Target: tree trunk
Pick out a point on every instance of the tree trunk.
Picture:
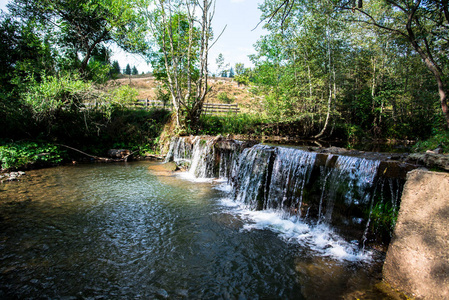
(431, 65)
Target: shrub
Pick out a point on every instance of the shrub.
(21, 154)
(223, 97)
(440, 139)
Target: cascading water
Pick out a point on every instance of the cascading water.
(325, 190)
(272, 178)
(351, 181)
(291, 171)
(179, 150)
(203, 157)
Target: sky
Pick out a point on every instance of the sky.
(236, 42)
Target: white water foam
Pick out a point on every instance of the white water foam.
(321, 239)
(186, 175)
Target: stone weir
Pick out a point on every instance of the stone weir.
(357, 194)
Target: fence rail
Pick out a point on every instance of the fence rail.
(208, 108)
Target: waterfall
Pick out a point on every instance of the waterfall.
(203, 158)
(351, 180)
(180, 150)
(291, 171)
(329, 189)
(272, 178)
(250, 176)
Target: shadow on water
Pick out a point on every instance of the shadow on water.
(123, 231)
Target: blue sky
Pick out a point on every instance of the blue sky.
(236, 43)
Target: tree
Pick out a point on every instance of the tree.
(134, 71)
(127, 70)
(115, 68)
(81, 26)
(231, 73)
(221, 66)
(423, 24)
(23, 53)
(297, 64)
(182, 55)
(239, 68)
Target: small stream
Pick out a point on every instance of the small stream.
(124, 231)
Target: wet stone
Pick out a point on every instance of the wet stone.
(12, 176)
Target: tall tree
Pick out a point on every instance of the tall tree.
(423, 24)
(84, 25)
(134, 71)
(182, 32)
(127, 70)
(115, 67)
(221, 65)
(23, 53)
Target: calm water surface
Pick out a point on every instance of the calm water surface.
(120, 231)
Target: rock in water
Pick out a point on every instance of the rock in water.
(118, 153)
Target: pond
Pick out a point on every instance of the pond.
(125, 231)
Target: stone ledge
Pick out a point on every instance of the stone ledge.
(417, 261)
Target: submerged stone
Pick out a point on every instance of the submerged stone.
(170, 166)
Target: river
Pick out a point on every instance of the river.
(124, 231)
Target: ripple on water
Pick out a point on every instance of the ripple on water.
(119, 231)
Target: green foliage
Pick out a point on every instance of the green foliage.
(383, 219)
(53, 94)
(115, 69)
(223, 97)
(163, 95)
(127, 70)
(439, 140)
(122, 96)
(230, 124)
(22, 54)
(80, 28)
(313, 54)
(241, 79)
(239, 68)
(25, 154)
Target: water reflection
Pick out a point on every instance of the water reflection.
(121, 231)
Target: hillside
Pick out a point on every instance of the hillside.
(241, 95)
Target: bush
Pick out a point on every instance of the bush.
(241, 79)
(223, 97)
(230, 124)
(53, 94)
(25, 154)
(440, 139)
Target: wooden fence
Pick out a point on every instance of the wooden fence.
(208, 108)
(215, 108)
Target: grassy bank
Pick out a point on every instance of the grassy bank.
(66, 110)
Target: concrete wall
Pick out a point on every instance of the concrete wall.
(417, 261)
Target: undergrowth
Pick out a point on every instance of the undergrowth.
(230, 124)
(438, 140)
(27, 154)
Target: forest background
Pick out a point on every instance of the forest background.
(346, 70)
